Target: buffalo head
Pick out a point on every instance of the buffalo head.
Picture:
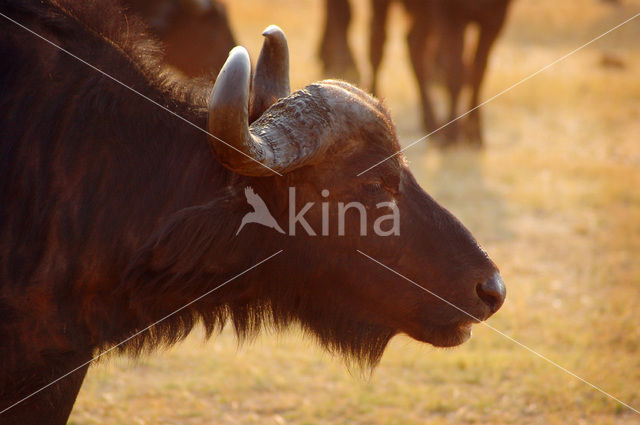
(303, 153)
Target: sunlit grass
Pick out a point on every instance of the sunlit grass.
(554, 198)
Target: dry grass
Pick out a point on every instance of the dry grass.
(554, 198)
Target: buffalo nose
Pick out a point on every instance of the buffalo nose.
(492, 292)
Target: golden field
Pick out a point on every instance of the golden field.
(555, 200)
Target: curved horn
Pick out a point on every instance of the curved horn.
(235, 147)
(292, 134)
(271, 78)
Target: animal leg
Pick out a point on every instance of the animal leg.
(488, 34)
(417, 37)
(335, 54)
(50, 406)
(377, 38)
(451, 47)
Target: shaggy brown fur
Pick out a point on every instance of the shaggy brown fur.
(70, 139)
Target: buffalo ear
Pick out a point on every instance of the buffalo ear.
(271, 78)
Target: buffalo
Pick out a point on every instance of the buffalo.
(436, 40)
(123, 189)
(195, 34)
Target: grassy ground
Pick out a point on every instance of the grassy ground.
(554, 198)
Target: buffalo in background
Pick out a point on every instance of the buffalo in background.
(195, 34)
(436, 41)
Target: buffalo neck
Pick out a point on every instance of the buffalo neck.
(91, 169)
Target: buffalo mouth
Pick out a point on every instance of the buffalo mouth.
(445, 335)
(449, 332)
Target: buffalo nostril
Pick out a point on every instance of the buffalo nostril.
(492, 292)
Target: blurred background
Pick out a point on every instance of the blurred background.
(554, 197)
